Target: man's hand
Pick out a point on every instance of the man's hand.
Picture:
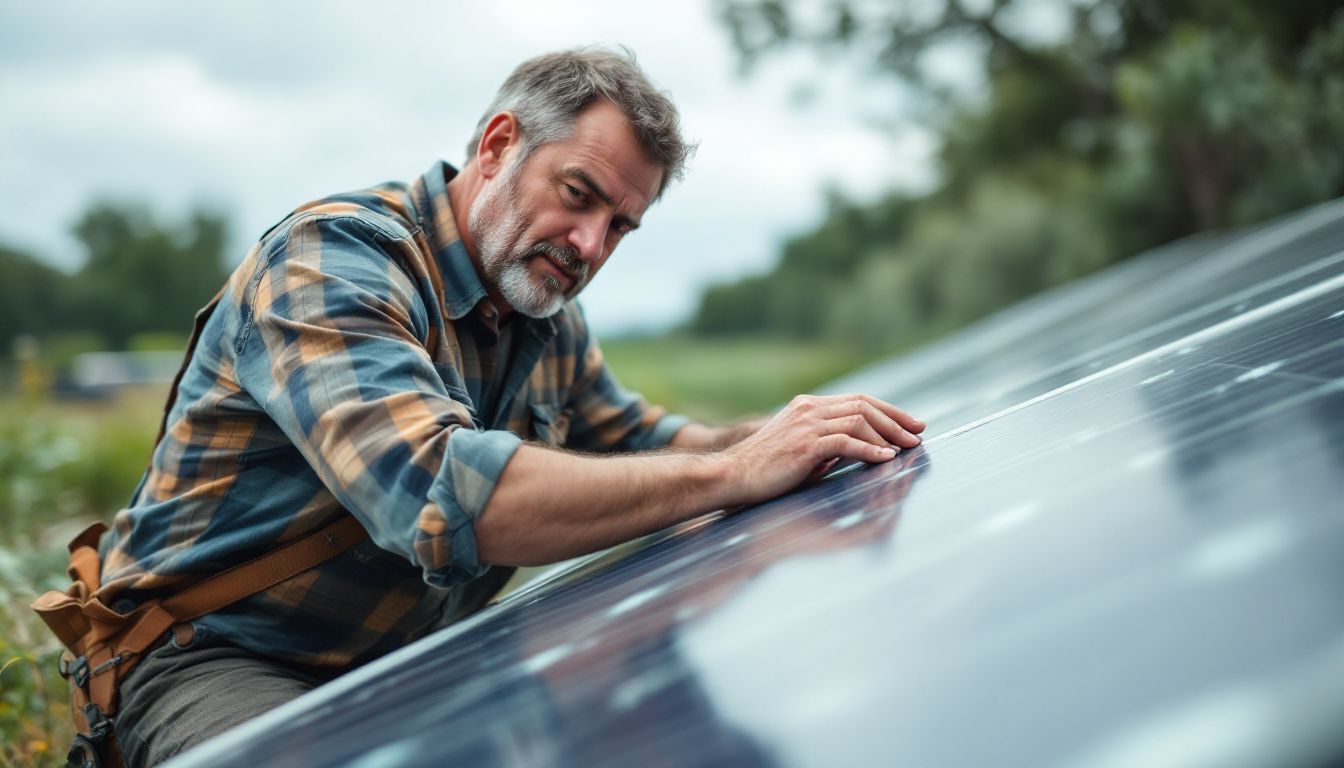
(551, 505)
(811, 434)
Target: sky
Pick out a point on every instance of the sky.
(255, 108)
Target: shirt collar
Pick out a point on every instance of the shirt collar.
(462, 288)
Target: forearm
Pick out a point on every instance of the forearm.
(552, 505)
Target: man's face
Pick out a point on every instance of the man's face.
(544, 227)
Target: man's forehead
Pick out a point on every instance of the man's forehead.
(604, 146)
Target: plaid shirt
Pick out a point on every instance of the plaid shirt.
(350, 363)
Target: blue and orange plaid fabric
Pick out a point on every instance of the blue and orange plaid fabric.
(352, 362)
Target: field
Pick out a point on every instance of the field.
(718, 380)
(63, 464)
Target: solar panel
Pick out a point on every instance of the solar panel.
(1122, 544)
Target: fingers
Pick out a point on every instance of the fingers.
(906, 421)
(848, 447)
(854, 426)
(848, 427)
(891, 429)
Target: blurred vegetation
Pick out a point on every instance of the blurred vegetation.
(62, 465)
(1137, 122)
(719, 380)
(140, 277)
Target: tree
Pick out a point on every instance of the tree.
(1134, 123)
(31, 296)
(1210, 81)
(142, 276)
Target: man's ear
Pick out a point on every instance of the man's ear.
(498, 139)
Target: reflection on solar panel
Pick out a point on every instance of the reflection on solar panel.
(1123, 544)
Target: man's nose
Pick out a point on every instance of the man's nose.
(589, 237)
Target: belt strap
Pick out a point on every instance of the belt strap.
(264, 572)
(243, 580)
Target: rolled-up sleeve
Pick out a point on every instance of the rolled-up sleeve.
(608, 417)
(332, 348)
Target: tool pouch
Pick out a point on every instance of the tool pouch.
(102, 646)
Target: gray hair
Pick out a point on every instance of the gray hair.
(547, 93)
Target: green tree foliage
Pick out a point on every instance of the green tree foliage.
(144, 277)
(141, 277)
(30, 297)
(815, 270)
(1139, 122)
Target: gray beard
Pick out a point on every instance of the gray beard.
(495, 222)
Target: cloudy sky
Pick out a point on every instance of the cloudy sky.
(254, 108)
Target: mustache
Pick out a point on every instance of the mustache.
(568, 258)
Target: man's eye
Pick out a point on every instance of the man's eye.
(621, 228)
(575, 192)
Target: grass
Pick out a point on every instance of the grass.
(722, 379)
(64, 464)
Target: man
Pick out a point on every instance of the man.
(386, 353)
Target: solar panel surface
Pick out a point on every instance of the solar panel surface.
(1122, 544)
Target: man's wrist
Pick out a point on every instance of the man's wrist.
(713, 474)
